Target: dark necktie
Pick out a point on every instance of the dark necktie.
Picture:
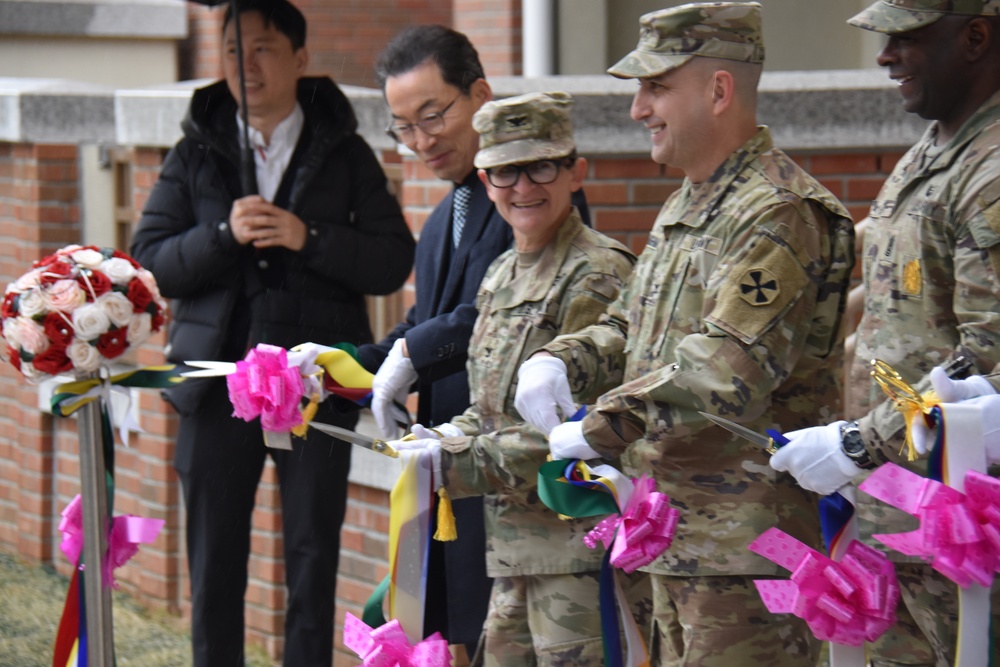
(459, 207)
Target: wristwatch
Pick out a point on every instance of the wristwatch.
(853, 446)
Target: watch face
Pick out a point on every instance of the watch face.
(853, 443)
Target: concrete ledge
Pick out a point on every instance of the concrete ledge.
(55, 111)
(164, 19)
(806, 110)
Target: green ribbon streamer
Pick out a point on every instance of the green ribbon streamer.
(569, 499)
(149, 377)
(372, 614)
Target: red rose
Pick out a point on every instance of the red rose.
(119, 253)
(94, 283)
(15, 359)
(45, 261)
(139, 295)
(58, 330)
(112, 343)
(53, 272)
(7, 308)
(157, 321)
(53, 360)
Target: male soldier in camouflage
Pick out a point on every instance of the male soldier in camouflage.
(733, 308)
(932, 293)
(559, 277)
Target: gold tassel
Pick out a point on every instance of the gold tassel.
(308, 413)
(445, 519)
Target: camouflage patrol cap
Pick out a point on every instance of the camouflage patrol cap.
(670, 37)
(895, 16)
(525, 128)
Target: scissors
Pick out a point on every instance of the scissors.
(770, 442)
(374, 444)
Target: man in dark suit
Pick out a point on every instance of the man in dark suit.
(434, 83)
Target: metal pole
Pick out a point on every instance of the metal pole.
(94, 492)
(538, 28)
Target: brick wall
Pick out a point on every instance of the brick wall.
(344, 36)
(38, 455)
(494, 26)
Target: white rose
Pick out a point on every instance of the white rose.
(31, 336)
(87, 258)
(139, 329)
(10, 332)
(28, 281)
(32, 303)
(29, 371)
(117, 306)
(65, 295)
(90, 321)
(84, 356)
(119, 270)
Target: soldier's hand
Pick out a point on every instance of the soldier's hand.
(254, 220)
(427, 451)
(566, 441)
(814, 458)
(953, 391)
(542, 390)
(987, 410)
(446, 430)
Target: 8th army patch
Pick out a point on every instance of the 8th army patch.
(757, 290)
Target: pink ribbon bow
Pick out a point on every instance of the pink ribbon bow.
(127, 533)
(848, 602)
(265, 385)
(959, 532)
(645, 528)
(387, 645)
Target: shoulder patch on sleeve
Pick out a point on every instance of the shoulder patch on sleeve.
(757, 290)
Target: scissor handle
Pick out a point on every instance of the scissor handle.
(778, 437)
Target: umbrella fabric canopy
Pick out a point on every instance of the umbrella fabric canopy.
(248, 168)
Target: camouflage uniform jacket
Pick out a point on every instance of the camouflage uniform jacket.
(931, 263)
(569, 287)
(734, 308)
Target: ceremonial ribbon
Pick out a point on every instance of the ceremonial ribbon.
(958, 515)
(126, 534)
(959, 533)
(643, 530)
(388, 646)
(265, 386)
(410, 503)
(848, 601)
(575, 490)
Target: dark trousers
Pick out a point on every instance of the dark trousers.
(220, 459)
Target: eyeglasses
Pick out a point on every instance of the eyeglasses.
(431, 124)
(541, 172)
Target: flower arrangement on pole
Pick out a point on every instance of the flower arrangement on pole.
(78, 308)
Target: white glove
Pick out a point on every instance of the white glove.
(392, 385)
(954, 391)
(542, 387)
(814, 458)
(427, 449)
(989, 412)
(446, 430)
(566, 441)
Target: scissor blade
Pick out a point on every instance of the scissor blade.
(356, 438)
(742, 431)
(211, 369)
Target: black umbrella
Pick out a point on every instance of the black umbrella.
(248, 168)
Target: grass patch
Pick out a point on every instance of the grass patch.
(31, 602)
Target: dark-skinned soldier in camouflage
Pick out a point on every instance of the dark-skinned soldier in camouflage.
(734, 308)
(931, 259)
(560, 277)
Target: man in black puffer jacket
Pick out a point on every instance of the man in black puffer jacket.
(288, 266)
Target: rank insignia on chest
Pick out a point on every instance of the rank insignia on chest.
(759, 287)
(912, 282)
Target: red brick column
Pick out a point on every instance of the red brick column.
(494, 27)
(39, 213)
